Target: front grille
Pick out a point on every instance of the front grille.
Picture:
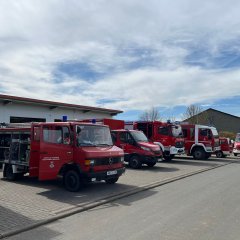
(157, 152)
(179, 144)
(107, 161)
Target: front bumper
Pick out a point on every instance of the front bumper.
(177, 151)
(217, 149)
(103, 175)
(236, 151)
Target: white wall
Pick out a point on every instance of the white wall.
(35, 111)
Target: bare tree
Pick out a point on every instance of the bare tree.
(152, 114)
(195, 114)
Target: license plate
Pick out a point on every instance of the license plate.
(111, 172)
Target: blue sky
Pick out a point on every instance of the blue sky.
(126, 55)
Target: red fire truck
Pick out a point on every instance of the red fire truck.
(236, 148)
(79, 152)
(137, 148)
(225, 147)
(200, 141)
(165, 134)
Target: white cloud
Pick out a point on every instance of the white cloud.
(111, 36)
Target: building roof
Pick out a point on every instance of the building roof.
(211, 109)
(52, 105)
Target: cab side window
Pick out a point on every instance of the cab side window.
(56, 134)
(184, 133)
(163, 131)
(123, 137)
(114, 137)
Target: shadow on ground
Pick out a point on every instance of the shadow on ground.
(11, 220)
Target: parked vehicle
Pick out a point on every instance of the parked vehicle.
(79, 152)
(137, 148)
(165, 134)
(236, 147)
(200, 140)
(225, 147)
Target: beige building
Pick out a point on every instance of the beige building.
(221, 120)
(19, 110)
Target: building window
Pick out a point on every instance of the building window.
(25, 119)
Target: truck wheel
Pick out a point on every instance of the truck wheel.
(219, 154)
(199, 154)
(9, 173)
(235, 154)
(168, 158)
(72, 181)
(111, 180)
(151, 164)
(207, 155)
(135, 162)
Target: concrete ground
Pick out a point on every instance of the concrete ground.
(28, 201)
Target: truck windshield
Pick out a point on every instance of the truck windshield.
(139, 136)
(177, 131)
(237, 139)
(214, 132)
(93, 135)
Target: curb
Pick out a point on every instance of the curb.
(100, 202)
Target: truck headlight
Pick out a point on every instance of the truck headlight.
(89, 162)
(146, 149)
(122, 159)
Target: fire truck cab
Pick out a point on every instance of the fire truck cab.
(225, 147)
(236, 147)
(137, 148)
(200, 141)
(167, 135)
(79, 152)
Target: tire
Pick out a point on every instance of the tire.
(151, 164)
(235, 154)
(72, 181)
(168, 158)
(199, 154)
(135, 162)
(9, 173)
(111, 180)
(208, 155)
(219, 154)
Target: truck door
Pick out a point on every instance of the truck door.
(55, 150)
(163, 135)
(125, 142)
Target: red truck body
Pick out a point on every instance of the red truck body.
(200, 141)
(167, 135)
(236, 147)
(46, 150)
(137, 148)
(225, 147)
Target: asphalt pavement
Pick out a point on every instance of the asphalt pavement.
(29, 203)
(202, 207)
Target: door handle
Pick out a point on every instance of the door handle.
(69, 152)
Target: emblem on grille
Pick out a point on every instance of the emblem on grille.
(110, 161)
